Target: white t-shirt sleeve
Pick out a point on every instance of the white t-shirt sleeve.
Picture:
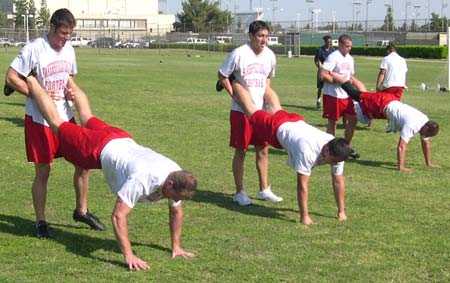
(23, 63)
(229, 65)
(337, 169)
(131, 191)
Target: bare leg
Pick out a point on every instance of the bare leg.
(81, 185)
(272, 100)
(45, 104)
(243, 97)
(39, 189)
(262, 165)
(81, 102)
(238, 168)
(331, 127)
(350, 127)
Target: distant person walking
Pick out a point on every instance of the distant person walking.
(392, 75)
(321, 54)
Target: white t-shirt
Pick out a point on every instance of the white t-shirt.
(135, 173)
(304, 144)
(344, 66)
(396, 69)
(406, 119)
(251, 70)
(52, 68)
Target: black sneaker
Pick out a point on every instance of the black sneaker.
(42, 230)
(7, 90)
(90, 219)
(219, 86)
(354, 155)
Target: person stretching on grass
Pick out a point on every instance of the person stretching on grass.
(306, 146)
(133, 172)
(404, 118)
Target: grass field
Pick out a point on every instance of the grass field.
(399, 223)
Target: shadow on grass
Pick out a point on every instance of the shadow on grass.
(77, 243)
(13, 104)
(225, 201)
(374, 163)
(17, 121)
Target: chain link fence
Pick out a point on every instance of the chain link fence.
(290, 33)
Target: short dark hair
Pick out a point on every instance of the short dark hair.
(340, 148)
(432, 128)
(256, 26)
(63, 18)
(326, 38)
(184, 183)
(344, 37)
(391, 47)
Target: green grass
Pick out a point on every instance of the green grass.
(399, 223)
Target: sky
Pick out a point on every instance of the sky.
(344, 10)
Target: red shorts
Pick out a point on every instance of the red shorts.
(41, 144)
(83, 146)
(241, 132)
(334, 108)
(266, 125)
(373, 103)
(395, 90)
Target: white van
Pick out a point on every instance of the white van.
(223, 39)
(273, 40)
(79, 41)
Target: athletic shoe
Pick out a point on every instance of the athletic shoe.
(318, 104)
(388, 128)
(42, 230)
(354, 155)
(242, 198)
(219, 86)
(7, 91)
(268, 195)
(90, 219)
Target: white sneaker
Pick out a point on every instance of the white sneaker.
(242, 198)
(268, 195)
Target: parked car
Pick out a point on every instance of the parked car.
(130, 44)
(5, 42)
(79, 41)
(19, 43)
(102, 42)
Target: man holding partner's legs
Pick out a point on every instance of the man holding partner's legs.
(306, 146)
(133, 172)
(403, 118)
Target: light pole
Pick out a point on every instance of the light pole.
(316, 18)
(334, 21)
(389, 12)
(310, 13)
(367, 14)
(442, 14)
(26, 26)
(407, 3)
(416, 7)
(355, 4)
(298, 31)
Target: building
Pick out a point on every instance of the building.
(127, 19)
